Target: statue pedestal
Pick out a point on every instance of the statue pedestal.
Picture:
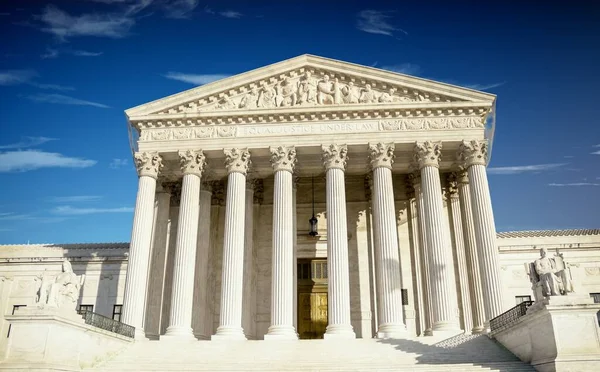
(559, 333)
(50, 339)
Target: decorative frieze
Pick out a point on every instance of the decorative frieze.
(473, 152)
(428, 153)
(381, 155)
(148, 163)
(237, 160)
(192, 162)
(335, 156)
(283, 158)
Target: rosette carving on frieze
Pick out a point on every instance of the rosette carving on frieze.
(335, 156)
(237, 160)
(381, 155)
(283, 158)
(473, 152)
(428, 153)
(148, 163)
(192, 162)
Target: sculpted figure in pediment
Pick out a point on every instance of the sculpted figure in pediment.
(225, 103)
(367, 95)
(349, 93)
(266, 98)
(307, 91)
(250, 100)
(387, 97)
(286, 94)
(326, 91)
(61, 291)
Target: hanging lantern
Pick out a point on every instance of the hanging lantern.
(313, 220)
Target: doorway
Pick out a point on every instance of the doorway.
(312, 298)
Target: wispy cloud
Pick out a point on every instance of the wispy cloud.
(63, 100)
(14, 217)
(58, 87)
(50, 54)
(55, 53)
(404, 68)
(485, 86)
(180, 9)
(575, 184)
(85, 53)
(196, 79)
(376, 22)
(18, 77)
(27, 142)
(524, 169)
(27, 160)
(118, 163)
(71, 211)
(226, 13)
(595, 153)
(75, 199)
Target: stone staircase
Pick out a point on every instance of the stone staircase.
(460, 353)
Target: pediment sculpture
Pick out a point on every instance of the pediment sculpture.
(550, 276)
(60, 291)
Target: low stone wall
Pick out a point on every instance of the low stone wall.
(46, 340)
(559, 334)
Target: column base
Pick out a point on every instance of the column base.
(229, 333)
(478, 330)
(179, 333)
(339, 331)
(139, 335)
(281, 332)
(392, 331)
(445, 326)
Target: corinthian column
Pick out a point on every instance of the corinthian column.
(474, 156)
(466, 211)
(148, 166)
(182, 298)
(283, 160)
(389, 299)
(237, 162)
(439, 249)
(338, 290)
(459, 244)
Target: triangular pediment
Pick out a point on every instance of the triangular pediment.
(307, 82)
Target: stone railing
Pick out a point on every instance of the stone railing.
(507, 318)
(108, 324)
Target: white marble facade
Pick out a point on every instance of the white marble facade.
(225, 194)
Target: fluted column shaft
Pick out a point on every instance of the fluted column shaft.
(148, 166)
(338, 290)
(232, 279)
(182, 297)
(471, 254)
(443, 300)
(474, 154)
(249, 300)
(459, 242)
(283, 160)
(201, 316)
(389, 304)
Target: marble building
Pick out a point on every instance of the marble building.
(311, 198)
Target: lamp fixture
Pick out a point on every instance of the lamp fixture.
(313, 220)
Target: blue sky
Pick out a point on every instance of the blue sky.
(69, 69)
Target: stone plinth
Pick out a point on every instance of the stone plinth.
(48, 339)
(557, 334)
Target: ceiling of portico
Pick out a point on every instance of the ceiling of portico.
(305, 87)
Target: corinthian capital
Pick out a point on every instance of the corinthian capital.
(192, 162)
(237, 160)
(382, 155)
(428, 154)
(335, 156)
(283, 158)
(473, 152)
(148, 163)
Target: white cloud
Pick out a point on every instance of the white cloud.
(595, 153)
(574, 184)
(196, 79)
(85, 53)
(70, 211)
(16, 77)
(21, 161)
(180, 9)
(485, 86)
(524, 168)
(64, 25)
(404, 68)
(63, 100)
(52, 86)
(231, 14)
(75, 199)
(376, 22)
(118, 163)
(27, 142)
(14, 217)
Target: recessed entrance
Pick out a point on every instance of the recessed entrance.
(312, 298)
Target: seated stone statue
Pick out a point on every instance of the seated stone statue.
(61, 291)
(550, 276)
